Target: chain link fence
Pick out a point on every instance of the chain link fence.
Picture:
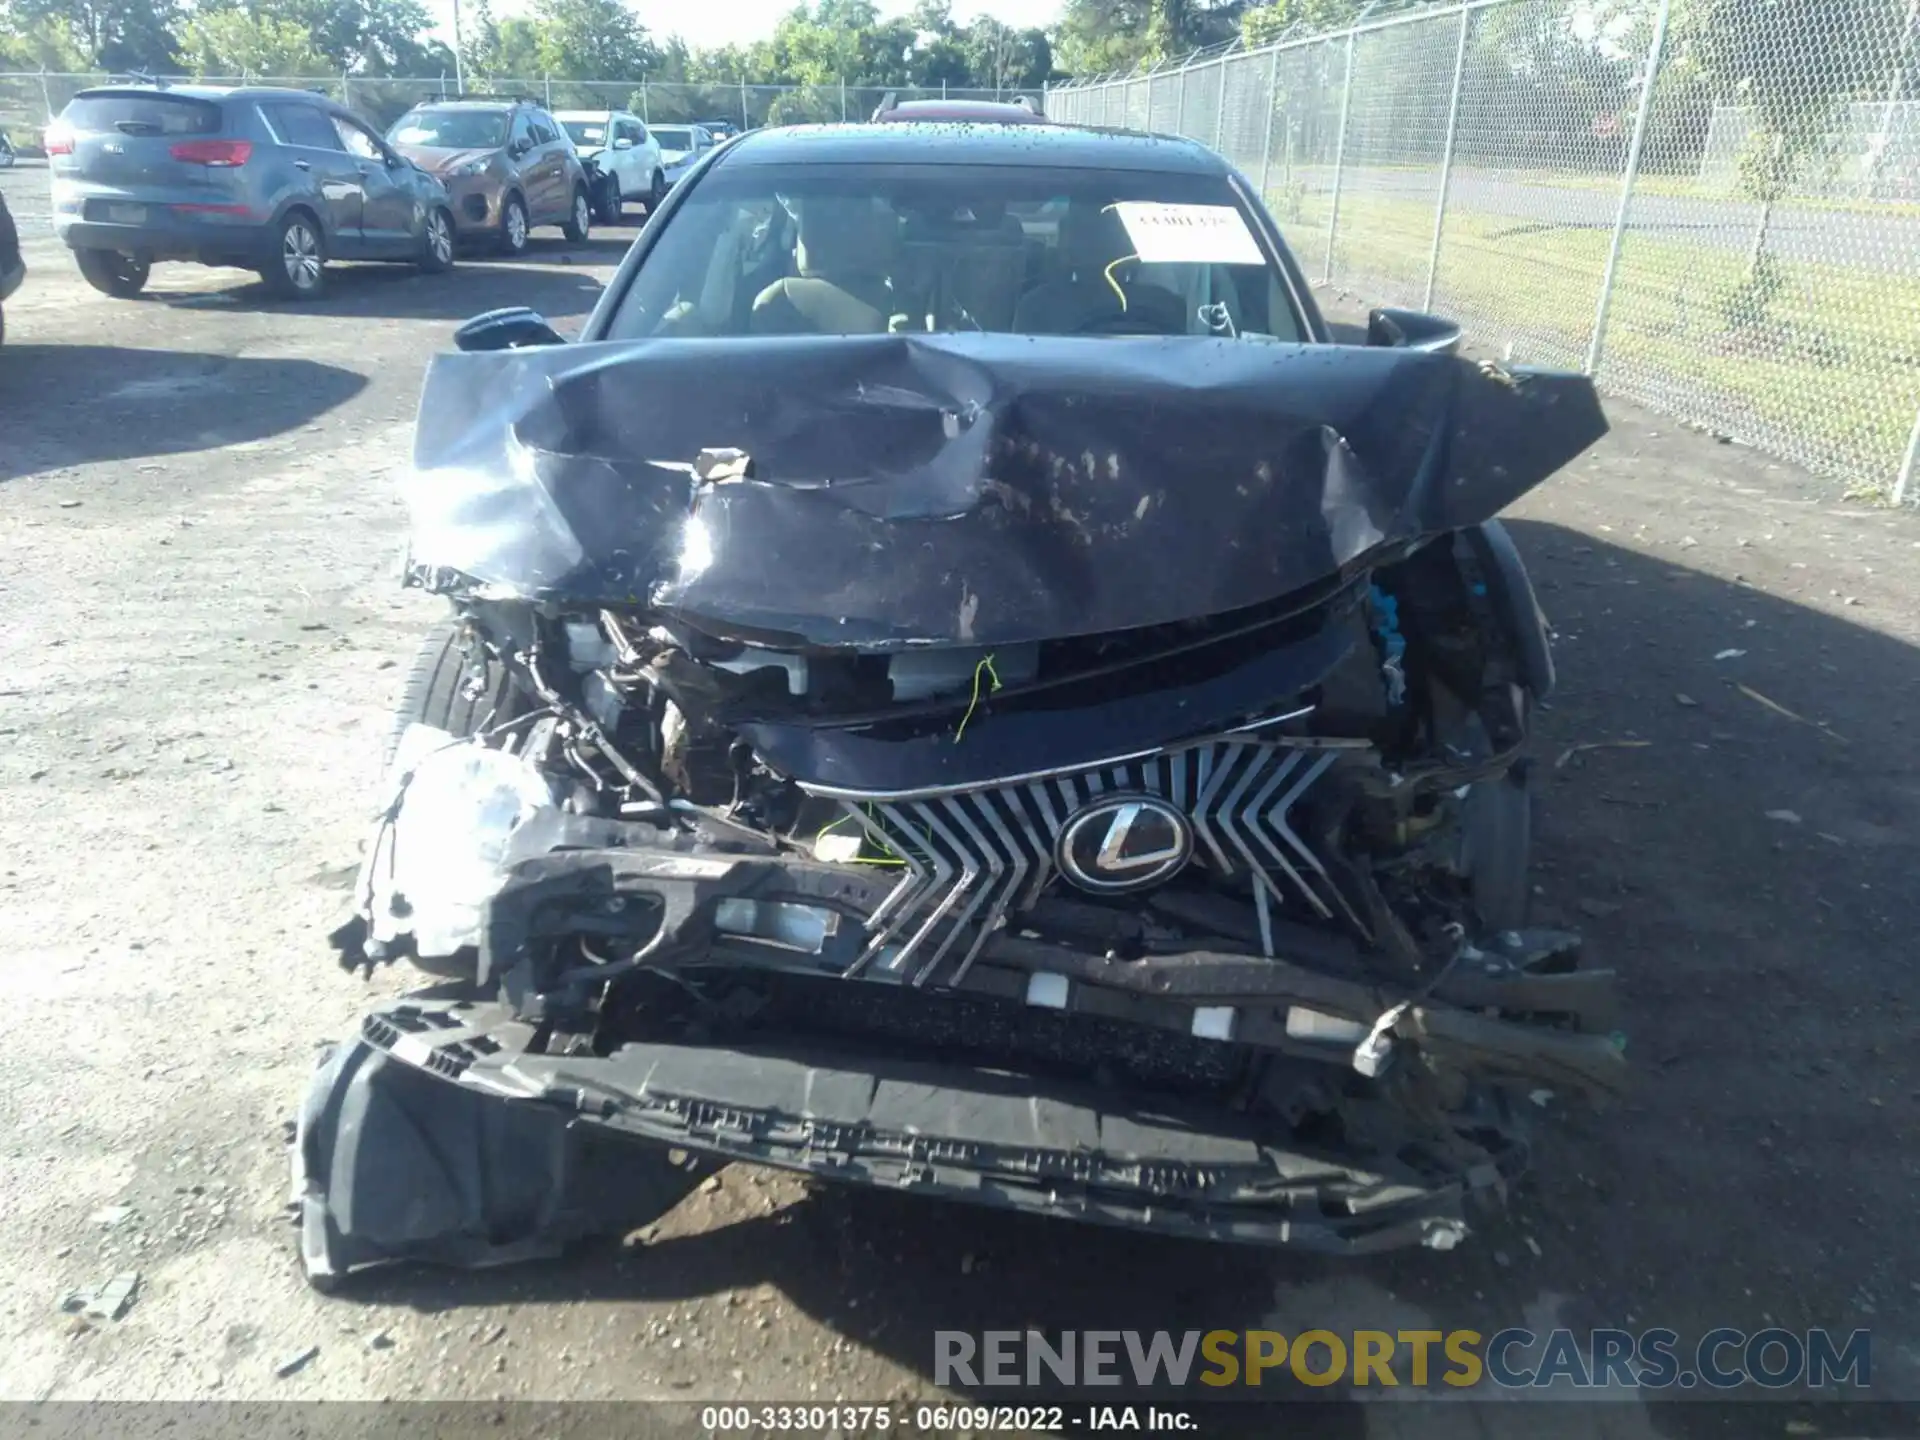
(28, 101)
(1713, 209)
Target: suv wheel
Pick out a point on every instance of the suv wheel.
(611, 201)
(296, 267)
(113, 272)
(657, 193)
(436, 242)
(576, 227)
(513, 225)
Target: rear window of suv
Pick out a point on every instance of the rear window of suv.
(139, 113)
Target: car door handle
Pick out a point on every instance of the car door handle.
(303, 165)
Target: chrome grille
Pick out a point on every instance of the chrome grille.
(972, 856)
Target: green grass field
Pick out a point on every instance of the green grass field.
(1826, 370)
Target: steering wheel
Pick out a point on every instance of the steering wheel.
(1121, 322)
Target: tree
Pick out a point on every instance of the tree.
(1767, 54)
(39, 45)
(1264, 24)
(592, 40)
(111, 34)
(233, 42)
(1096, 36)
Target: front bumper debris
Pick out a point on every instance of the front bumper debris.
(475, 1132)
(938, 1131)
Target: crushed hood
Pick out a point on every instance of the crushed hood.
(972, 489)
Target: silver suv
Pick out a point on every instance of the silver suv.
(507, 163)
(278, 181)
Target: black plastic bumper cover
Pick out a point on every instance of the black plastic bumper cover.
(440, 1136)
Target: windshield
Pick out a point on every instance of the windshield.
(451, 129)
(585, 133)
(673, 137)
(856, 249)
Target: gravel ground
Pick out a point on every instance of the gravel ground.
(204, 636)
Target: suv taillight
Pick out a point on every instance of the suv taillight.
(58, 140)
(221, 153)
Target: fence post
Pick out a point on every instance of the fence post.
(346, 90)
(1220, 108)
(746, 120)
(645, 119)
(1446, 156)
(1654, 50)
(547, 81)
(843, 99)
(1266, 140)
(1340, 157)
(1180, 104)
(1901, 485)
(46, 94)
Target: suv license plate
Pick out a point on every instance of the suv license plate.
(127, 214)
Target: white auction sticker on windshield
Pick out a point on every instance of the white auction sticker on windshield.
(1191, 234)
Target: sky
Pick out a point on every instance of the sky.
(739, 22)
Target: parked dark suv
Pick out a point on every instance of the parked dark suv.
(278, 181)
(508, 164)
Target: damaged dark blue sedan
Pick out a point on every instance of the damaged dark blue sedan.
(957, 682)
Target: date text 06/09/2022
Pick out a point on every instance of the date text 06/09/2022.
(945, 1419)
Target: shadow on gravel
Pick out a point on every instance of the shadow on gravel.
(78, 404)
(1737, 834)
(543, 278)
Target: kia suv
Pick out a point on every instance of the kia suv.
(508, 164)
(278, 181)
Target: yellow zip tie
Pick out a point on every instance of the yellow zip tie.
(859, 859)
(1112, 284)
(984, 667)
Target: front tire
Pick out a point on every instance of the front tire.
(513, 226)
(610, 202)
(436, 243)
(1497, 830)
(296, 269)
(580, 218)
(113, 272)
(656, 193)
(453, 690)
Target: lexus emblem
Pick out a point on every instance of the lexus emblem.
(1123, 842)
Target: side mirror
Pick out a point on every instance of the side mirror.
(623, 143)
(519, 148)
(1391, 329)
(513, 328)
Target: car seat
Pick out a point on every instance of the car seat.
(845, 255)
(1085, 291)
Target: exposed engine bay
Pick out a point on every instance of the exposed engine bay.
(1175, 892)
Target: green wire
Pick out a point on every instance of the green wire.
(985, 667)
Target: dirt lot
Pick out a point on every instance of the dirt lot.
(203, 636)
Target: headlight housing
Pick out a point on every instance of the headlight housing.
(467, 170)
(443, 856)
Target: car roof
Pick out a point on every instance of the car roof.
(960, 143)
(213, 93)
(921, 110)
(593, 114)
(468, 102)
